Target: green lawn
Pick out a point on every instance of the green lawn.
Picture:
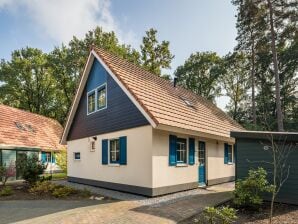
(56, 176)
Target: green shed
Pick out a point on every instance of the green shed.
(253, 150)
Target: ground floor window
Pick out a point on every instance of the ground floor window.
(181, 153)
(77, 155)
(114, 151)
(230, 154)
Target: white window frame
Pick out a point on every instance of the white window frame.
(232, 154)
(109, 156)
(186, 152)
(96, 98)
(74, 156)
(88, 94)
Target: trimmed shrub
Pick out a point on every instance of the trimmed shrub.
(223, 215)
(248, 192)
(42, 187)
(63, 191)
(6, 191)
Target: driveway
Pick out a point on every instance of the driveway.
(136, 209)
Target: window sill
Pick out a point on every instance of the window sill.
(77, 160)
(114, 164)
(230, 163)
(181, 165)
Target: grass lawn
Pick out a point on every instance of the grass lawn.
(56, 176)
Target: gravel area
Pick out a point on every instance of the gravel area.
(142, 200)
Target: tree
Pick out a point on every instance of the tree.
(28, 82)
(236, 84)
(250, 26)
(30, 168)
(201, 73)
(280, 151)
(7, 172)
(155, 56)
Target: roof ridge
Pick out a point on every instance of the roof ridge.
(31, 113)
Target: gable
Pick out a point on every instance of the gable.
(121, 113)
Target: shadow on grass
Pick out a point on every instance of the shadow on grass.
(179, 210)
(14, 211)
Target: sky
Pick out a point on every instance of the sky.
(189, 25)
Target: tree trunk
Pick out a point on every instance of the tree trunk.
(276, 74)
(253, 100)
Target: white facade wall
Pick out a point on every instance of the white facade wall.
(165, 175)
(147, 160)
(137, 172)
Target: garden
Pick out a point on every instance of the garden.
(36, 185)
(248, 206)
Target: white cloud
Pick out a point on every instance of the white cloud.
(62, 19)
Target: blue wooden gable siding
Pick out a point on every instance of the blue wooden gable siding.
(120, 113)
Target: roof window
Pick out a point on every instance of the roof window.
(24, 127)
(187, 102)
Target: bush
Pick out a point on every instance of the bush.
(6, 191)
(248, 192)
(42, 187)
(61, 160)
(30, 168)
(224, 215)
(63, 191)
(85, 193)
(7, 172)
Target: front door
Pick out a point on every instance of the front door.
(202, 164)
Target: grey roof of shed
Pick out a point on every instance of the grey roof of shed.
(265, 135)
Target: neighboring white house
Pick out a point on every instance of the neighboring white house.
(132, 131)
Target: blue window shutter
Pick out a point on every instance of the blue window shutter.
(104, 154)
(191, 152)
(123, 150)
(235, 153)
(172, 150)
(43, 157)
(226, 154)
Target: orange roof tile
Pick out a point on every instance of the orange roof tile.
(20, 128)
(165, 104)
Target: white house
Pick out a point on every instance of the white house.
(132, 131)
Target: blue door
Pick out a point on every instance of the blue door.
(202, 163)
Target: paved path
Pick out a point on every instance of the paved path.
(167, 209)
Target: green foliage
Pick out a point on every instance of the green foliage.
(42, 187)
(155, 56)
(248, 192)
(6, 191)
(30, 168)
(61, 160)
(236, 84)
(55, 176)
(253, 26)
(7, 172)
(63, 191)
(224, 215)
(202, 73)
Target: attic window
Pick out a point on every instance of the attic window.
(24, 127)
(20, 126)
(187, 102)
